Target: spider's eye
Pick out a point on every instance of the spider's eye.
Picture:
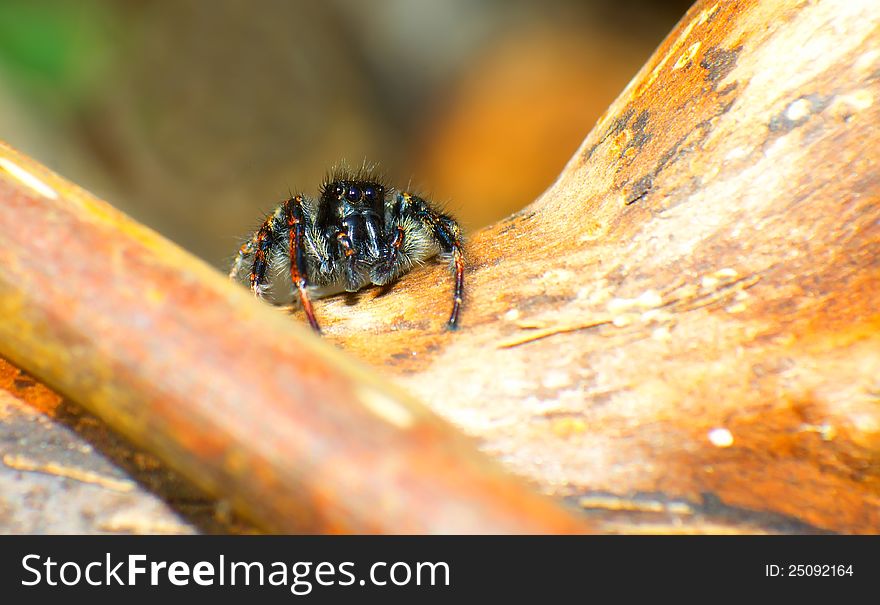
(353, 194)
(338, 190)
(370, 194)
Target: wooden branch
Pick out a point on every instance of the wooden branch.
(677, 336)
(686, 321)
(234, 395)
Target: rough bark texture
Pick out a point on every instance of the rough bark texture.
(685, 324)
(238, 398)
(680, 334)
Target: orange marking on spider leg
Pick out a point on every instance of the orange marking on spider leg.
(259, 267)
(299, 279)
(309, 310)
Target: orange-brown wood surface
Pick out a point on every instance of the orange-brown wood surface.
(687, 318)
(679, 335)
(238, 398)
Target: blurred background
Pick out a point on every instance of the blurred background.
(197, 116)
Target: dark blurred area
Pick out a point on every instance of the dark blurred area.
(197, 116)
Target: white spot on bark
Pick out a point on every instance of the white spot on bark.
(720, 437)
(798, 110)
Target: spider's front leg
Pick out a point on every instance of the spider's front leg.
(296, 226)
(286, 223)
(441, 228)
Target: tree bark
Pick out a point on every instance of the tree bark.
(685, 323)
(678, 335)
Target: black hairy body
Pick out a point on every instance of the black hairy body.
(357, 232)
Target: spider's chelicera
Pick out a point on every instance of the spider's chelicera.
(358, 232)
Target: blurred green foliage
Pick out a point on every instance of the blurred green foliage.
(196, 116)
(53, 48)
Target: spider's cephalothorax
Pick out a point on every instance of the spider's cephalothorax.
(358, 232)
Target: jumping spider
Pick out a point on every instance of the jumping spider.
(358, 232)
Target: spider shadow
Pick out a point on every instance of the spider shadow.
(350, 299)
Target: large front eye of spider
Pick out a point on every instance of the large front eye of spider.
(370, 193)
(353, 194)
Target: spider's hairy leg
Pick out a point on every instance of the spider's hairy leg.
(447, 233)
(458, 262)
(246, 250)
(296, 226)
(270, 233)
